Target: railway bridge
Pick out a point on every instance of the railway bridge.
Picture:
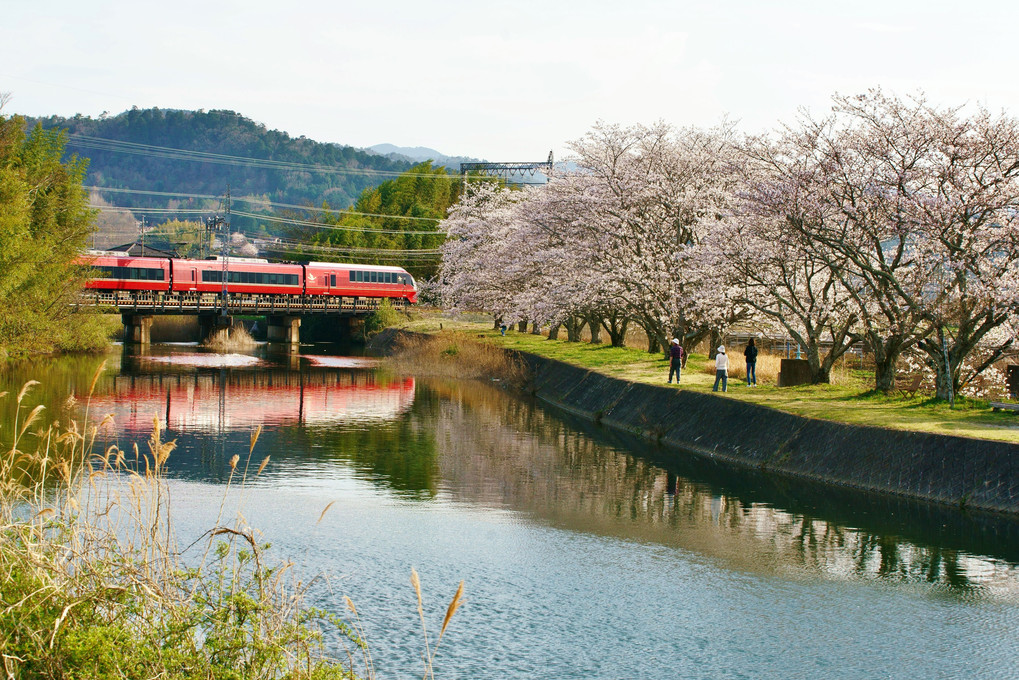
(282, 313)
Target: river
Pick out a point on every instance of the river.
(584, 554)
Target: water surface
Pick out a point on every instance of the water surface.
(584, 554)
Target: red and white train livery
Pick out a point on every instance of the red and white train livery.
(182, 278)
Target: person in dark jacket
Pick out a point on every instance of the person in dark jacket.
(751, 355)
(675, 359)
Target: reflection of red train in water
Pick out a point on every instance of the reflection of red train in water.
(215, 403)
(118, 278)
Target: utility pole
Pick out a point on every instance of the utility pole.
(212, 224)
(226, 254)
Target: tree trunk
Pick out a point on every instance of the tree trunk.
(886, 355)
(716, 340)
(616, 328)
(653, 344)
(574, 325)
(522, 326)
(535, 328)
(594, 323)
(553, 331)
(947, 373)
(498, 323)
(665, 344)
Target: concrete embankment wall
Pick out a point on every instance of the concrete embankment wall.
(956, 471)
(952, 470)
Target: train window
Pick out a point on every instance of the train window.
(332, 280)
(129, 273)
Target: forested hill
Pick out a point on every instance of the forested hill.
(341, 174)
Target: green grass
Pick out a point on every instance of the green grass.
(851, 400)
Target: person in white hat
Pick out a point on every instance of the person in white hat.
(676, 359)
(721, 369)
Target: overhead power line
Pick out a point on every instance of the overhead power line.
(334, 227)
(290, 247)
(256, 201)
(170, 153)
(136, 148)
(266, 218)
(150, 211)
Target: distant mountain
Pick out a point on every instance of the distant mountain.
(415, 153)
(419, 154)
(150, 154)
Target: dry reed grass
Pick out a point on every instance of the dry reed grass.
(768, 366)
(455, 354)
(230, 340)
(94, 583)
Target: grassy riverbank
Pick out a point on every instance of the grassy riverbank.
(850, 399)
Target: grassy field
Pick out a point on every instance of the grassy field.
(850, 399)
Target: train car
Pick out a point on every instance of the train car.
(120, 271)
(244, 276)
(359, 280)
(317, 283)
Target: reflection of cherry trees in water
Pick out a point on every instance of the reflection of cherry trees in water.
(498, 451)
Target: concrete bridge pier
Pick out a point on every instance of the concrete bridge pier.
(137, 329)
(284, 330)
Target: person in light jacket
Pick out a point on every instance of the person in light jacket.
(721, 369)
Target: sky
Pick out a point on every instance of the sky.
(502, 81)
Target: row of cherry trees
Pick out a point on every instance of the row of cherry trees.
(889, 221)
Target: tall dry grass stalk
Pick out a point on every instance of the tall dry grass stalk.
(454, 604)
(455, 354)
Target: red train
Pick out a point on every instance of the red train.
(119, 273)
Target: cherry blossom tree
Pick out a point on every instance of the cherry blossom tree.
(913, 209)
(642, 202)
(778, 277)
(478, 268)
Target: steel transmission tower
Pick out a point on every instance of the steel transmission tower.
(506, 170)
